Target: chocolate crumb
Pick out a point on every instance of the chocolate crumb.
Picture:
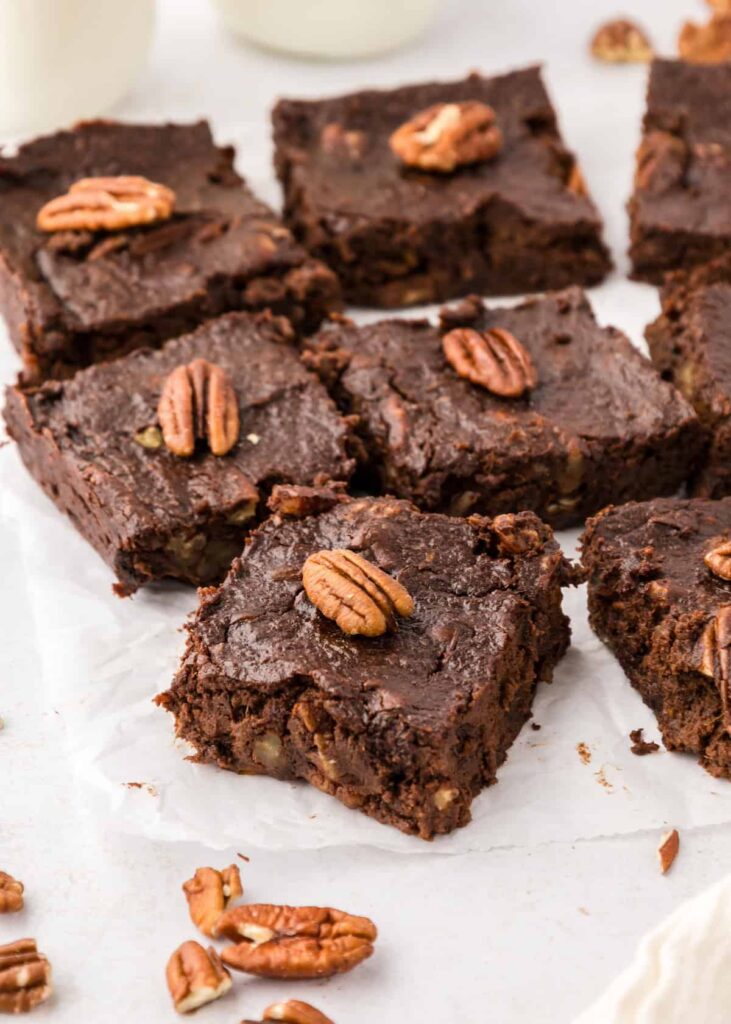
(535, 726)
(641, 746)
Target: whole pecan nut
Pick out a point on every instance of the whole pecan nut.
(107, 204)
(715, 658)
(706, 44)
(196, 976)
(294, 1011)
(621, 41)
(294, 942)
(494, 359)
(198, 402)
(209, 892)
(448, 135)
(11, 894)
(360, 597)
(25, 977)
(718, 559)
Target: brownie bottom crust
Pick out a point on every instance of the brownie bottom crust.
(407, 727)
(661, 610)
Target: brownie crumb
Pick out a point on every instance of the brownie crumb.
(535, 726)
(641, 746)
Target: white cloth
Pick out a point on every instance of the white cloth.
(681, 973)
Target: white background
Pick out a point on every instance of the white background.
(526, 931)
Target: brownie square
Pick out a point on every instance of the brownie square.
(408, 726)
(600, 425)
(690, 343)
(660, 597)
(397, 236)
(680, 213)
(76, 297)
(93, 445)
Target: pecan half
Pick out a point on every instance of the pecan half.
(715, 659)
(196, 976)
(25, 977)
(706, 44)
(493, 359)
(209, 892)
(107, 204)
(360, 597)
(662, 159)
(11, 894)
(448, 135)
(718, 559)
(667, 851)
(621, 41)
(294, 1011)
(294, 942)
(198, 402)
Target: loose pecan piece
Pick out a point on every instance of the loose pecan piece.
(196, 976)
(718, 559)
(294, 942)
(662, 159)
(493, 359)
(209, 892)
(720, 6)
(448, 135)
(11, 894)
(716, 658)
(706, 44)
(198, 402)
(667, 851)
(621, 41)
(25, 977)
(360, 597)
(294, 1011)
(107, 204)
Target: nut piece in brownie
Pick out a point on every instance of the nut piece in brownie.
(409, 725)
(103, 445)
(565, 419)
(690, 343)
(660, 597)
(431, 191)
(680, 213)
(126, 273)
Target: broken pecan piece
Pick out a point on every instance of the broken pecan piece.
(667, 851)
(209, 892)
(360, 597)
(107, 204)
(494, 359)
(716, 658)
(11, 894)
(196, 976)
(294, 1011)
(448, 135)
(25, 977)
(294, 942)
(706, 44)
(198, 402)
(718, 559)
(621, 41)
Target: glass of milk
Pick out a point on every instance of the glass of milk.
(328, 28)
(65, 60)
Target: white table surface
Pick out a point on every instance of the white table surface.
(529, 933)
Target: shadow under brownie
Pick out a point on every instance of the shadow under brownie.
(600, 425)
(690, 343)
(409, 726)
(73, 298)
(660, 597)
(680, 212)
(94, 446)
(397, 236)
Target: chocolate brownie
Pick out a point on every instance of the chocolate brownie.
(660, 597)
(518, 221)
(680, 213)
(94, 446)
(407, 726)
(690, 343)
(72, 298)
(599, 426)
